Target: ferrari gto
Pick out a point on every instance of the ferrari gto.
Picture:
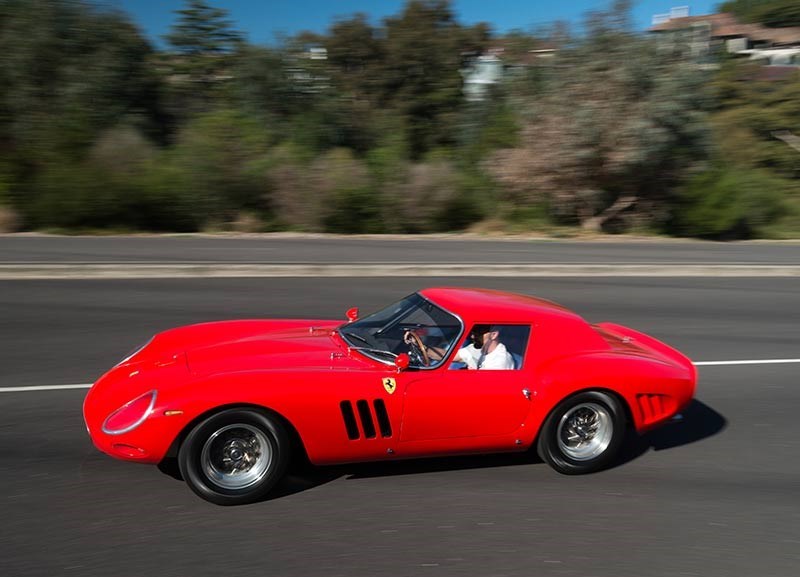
(444, 371)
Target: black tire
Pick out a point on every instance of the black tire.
(235, 456)
(583, 434)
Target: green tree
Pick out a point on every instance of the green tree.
(774, 13)
(201, 30)
(751, 118)
(261, 87)
(68, 72)
(204, 42)
(730, 203)
(224, 155)
(754, 180)
(355, 53)
(610, 134)
(420, 76)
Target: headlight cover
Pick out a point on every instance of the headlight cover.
(130, 415)
(135, 352)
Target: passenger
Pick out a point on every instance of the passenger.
(485, 350)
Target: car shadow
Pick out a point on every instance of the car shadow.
(439, 464)
(300, 477)
(306, 476)
(297, 481)
(698, 422)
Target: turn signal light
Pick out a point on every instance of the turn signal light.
(130, 415)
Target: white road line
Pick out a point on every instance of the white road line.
(28, 271)
(753, 362)
(697, 364)
(44, 388)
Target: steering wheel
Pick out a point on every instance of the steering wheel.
(417, 349)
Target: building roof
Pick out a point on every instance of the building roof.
(725, 25)
(776, 72)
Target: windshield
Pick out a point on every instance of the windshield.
(381, 335)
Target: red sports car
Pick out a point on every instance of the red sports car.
(444, 371)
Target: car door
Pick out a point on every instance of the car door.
(449, 404)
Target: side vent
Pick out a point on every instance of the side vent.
(655, 407)
(383, 418)
(366, 419)
(349, 420)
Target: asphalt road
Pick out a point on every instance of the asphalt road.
(714, 496)
(281, 249)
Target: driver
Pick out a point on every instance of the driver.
(485, 350)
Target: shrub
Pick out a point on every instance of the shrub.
(419, 200)
(124, 183)
(224, 155)
(354, 211)
(289, 189)
(77, 196)
(165, 199)
(9, 220)
(348, 203)
(729, 204)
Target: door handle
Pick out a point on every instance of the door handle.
(527, 394)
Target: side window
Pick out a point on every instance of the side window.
(493, 346)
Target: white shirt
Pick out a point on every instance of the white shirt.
(498, 359)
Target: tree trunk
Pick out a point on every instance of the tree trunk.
(596, 223)
(789, 138)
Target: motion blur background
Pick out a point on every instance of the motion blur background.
(644, 118)
(413, 122)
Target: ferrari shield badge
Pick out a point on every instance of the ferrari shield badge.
(389, 385)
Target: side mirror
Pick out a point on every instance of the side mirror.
(402, 361)
(352, 314)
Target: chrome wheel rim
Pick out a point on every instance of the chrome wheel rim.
(585, 431)
(237, 456)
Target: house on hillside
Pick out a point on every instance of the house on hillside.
(705, 37)
(482, 71)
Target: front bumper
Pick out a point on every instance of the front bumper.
(150, 440)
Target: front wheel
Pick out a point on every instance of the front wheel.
(583, 433)
(235, 456)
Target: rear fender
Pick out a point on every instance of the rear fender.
(653, 391)
(647, 345)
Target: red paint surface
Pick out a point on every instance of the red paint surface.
(302, 370)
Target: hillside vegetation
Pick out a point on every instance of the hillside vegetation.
(366, 128)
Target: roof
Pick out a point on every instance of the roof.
(502, 305)
(725, 25)
(776, 72)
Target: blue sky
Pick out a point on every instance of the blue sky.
(262, 19)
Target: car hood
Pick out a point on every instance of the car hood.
(234, 346)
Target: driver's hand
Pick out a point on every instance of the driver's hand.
(408, 339)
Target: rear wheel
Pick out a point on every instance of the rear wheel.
(235, 456)
(583, 433)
